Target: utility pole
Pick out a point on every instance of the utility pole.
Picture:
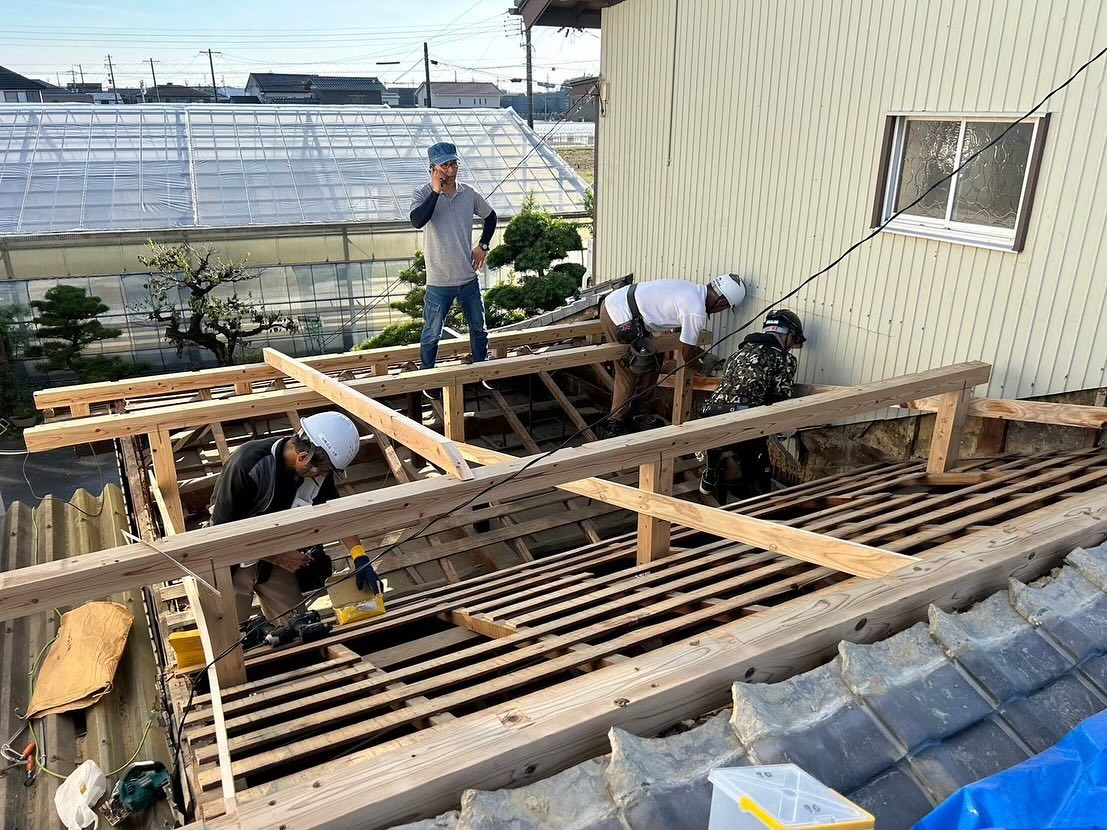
(111, 77)
(73, 75)
(157, 92)
(427, 71)
(530, 85)
(82, 69)
(211, 63)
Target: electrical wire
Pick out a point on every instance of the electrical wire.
(482, 494)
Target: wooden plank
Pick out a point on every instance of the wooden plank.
(849, 557)
(945, 444)
(567, 406)
(683, 395)
(1036, 412)
(1093, 436)
(217, 431)
(97, 574)
(421, 775)
(87, 393)
(165, 471)
(412, 434)
(211, 652)
(653, 533)
(453, 408)
(260, 404)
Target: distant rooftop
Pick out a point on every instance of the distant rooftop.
(465, 88)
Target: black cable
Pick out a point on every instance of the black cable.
(311, 597)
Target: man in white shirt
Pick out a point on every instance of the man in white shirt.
(662, 305)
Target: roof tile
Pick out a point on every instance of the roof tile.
(1069, 608)
(998, 648)
(975, 753)
(912, 686)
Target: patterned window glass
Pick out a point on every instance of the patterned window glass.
(989, 189)
(929, 152)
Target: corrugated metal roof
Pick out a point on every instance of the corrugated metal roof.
(113, 727)
(897, 725)
(464, 88)
(772, 163)
(339, 82)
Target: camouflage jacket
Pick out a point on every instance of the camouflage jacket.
(759, 373)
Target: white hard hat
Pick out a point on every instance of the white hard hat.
(335, 434)
(731, 287)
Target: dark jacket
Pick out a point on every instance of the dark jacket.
(761, 372)
(255, 481)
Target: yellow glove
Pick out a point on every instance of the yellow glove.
(365, 577)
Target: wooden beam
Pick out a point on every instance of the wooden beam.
(945, 444)
(453, 409)
(1035, 412)
(683, 394)
(98, 574)
(841, 555)
(218, 678)
(653, 533)
(420, 776)
(260, 404)
(165, 471)
(412, 434)
(89, 393)
(567, 406)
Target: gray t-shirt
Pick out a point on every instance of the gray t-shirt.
(448, 236)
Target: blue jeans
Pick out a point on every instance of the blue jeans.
(435, 308)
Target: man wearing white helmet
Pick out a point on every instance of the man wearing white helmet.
(634, 313)
(274, 474)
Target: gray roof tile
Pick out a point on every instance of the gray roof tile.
(1092, 564)
(812, 720)
(975, 753)
(998, 648)
(661, 783)
(895, 798)
(1069, 608)
(576, 799)
(912, 686)
(1067, 700)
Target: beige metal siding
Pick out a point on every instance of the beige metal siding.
(777, 120)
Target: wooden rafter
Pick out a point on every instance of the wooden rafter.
(94, 575)
(396, 426)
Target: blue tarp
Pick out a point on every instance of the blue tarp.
(1063, 788)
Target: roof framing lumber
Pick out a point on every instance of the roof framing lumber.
(549, 730)
(241, 376)
(97, 574)
(400, 428)
(816, 548)
(259, 404)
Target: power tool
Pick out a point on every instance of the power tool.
(142, 786)
(305, 626)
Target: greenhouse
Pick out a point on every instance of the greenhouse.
(79, 168)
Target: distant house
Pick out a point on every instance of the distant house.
(329, 89)
(405, 96)
(15, 89)
(280, 88)
(547, 105)
(177, 94)
(459, 95)
(583, 98)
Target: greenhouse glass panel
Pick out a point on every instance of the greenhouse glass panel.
(77, 168)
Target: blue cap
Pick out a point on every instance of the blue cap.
(442, 152)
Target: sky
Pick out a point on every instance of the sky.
(471, 39)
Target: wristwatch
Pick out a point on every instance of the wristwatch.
(483, 246)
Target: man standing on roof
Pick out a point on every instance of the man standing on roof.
(274, 474)
(760, 373)
(444, 208)
(634, 313)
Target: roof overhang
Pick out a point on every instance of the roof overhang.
(576, 14)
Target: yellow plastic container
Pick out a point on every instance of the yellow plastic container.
(188, 649)
(350, 604)
(780, 797)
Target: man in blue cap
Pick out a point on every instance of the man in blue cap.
(444, 208)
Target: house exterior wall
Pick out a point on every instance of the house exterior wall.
(777, 119)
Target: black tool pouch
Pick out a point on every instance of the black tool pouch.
(634, 328)
(315, 573)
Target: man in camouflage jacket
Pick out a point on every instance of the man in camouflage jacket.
(760, 373)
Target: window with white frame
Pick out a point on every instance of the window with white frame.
(988, 203)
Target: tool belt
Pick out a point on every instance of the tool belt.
(642, 359)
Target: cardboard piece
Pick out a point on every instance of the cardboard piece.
(79, 669)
